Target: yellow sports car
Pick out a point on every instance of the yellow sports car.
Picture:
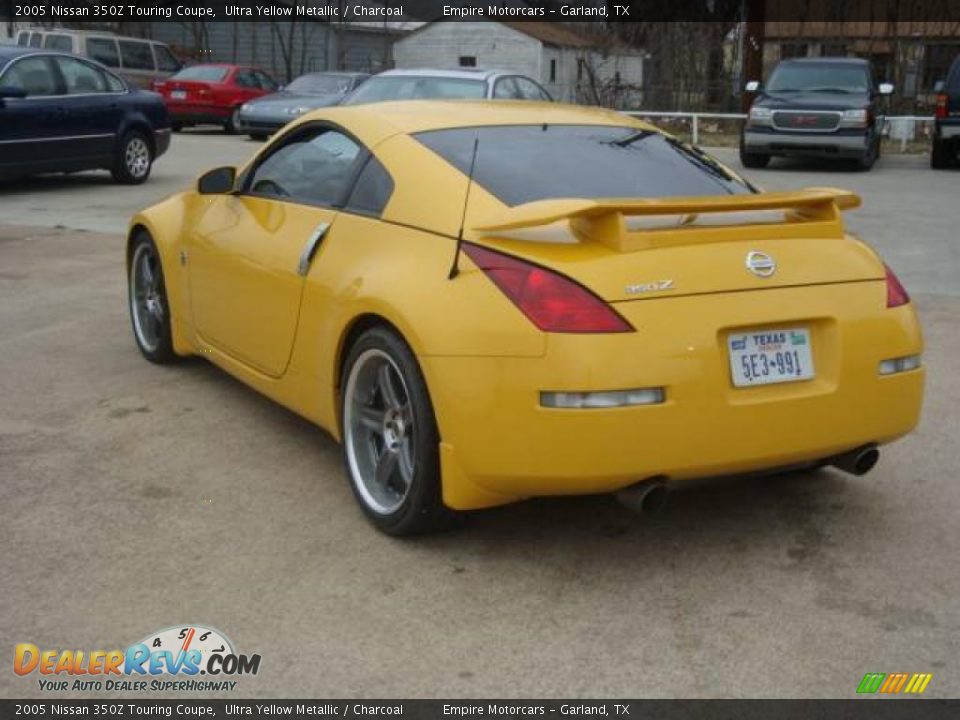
(486, 302)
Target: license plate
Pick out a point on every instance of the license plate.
(763, 357)
(179, 94)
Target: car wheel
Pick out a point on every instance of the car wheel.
(133, 159)
(940, 155)
(390, 438)
(232, 126)
(870, 158)
(754, 161)
(149, 310)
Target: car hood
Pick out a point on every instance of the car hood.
(278, 102)
(812, 101)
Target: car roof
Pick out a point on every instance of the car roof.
(9, 52)
(465, 73)
(412, 116)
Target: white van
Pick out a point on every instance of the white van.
(139, 61)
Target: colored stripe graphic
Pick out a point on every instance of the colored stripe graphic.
(893, 683)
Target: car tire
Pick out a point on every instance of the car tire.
(147, 301)
(232, 125)
(390, 438)
(869, 159)
(754, 161)
(132, 159)
(940, 155)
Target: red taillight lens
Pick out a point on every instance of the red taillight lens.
(553, 302)
(941, 109)
(896, 293)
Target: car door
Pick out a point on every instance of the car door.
(33, 131)
(251, 251)
(92, 108)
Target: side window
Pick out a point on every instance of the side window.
(136, 55)
(81, 78)
(165, 59)
(506, 89)
(103, 50)
(36, 40)
(314, 167)
(64, 43)
(33, 74)
(529, 90)
(245, 78)
(266, 82)
(23, 38)
(373, 189)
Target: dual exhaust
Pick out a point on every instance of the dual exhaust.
(650, 496)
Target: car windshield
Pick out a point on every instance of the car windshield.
(416, 87)
(585, 161)
(319, 85)
(204, 73)
(820, 77)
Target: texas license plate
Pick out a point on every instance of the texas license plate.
(762, 357)
(179, 94)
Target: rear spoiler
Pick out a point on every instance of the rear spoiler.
(813, 212)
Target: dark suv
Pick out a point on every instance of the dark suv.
(819, 107)
(946, 128)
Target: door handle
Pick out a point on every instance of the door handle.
(310, 249)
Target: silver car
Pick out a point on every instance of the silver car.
(267, 114)
(464, 83)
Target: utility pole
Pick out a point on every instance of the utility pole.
(754, 14)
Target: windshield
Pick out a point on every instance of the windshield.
(319, 85)
(585, 161)
(204, 73)
(416, 87)
(799, 77)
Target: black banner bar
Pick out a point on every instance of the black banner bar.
(855, 709)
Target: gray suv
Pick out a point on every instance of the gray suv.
(816, 107)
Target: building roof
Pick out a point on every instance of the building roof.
(552, 33)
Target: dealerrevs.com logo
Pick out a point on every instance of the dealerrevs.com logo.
(169, 660)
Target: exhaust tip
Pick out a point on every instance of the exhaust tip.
(858, 462)
(648, 497)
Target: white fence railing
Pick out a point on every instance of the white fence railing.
(896, 127)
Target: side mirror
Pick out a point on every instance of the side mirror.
(219, 181)
(8, 91)
(938, 86)
(752, 86)
(886, 88)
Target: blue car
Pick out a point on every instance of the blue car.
(63, 113)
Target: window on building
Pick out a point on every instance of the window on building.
(553, 71)
(792, 50)
(468, 61)
(580, 64)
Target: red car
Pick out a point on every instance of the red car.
(212, 93)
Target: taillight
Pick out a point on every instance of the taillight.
(551, 301)
(896, 293)
(941, 109)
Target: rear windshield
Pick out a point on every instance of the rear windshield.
(523, 163)
(204, 73)
(819, 77)
(320, 85)
(416, 87)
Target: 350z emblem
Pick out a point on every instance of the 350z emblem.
(655, 286)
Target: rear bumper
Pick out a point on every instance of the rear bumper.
(500, 445)
(948, 131)
(807, 144)
(193, 113)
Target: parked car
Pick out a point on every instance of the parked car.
(63, 113)
(447, 84)
(267, 114)
(815, 107)
(946, 129)
(555, 331)
(138, 61)
(213, 94)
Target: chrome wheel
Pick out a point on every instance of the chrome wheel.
(136, 157)
(146, 297)
(379, 432)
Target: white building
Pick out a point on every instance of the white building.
(572, 66)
